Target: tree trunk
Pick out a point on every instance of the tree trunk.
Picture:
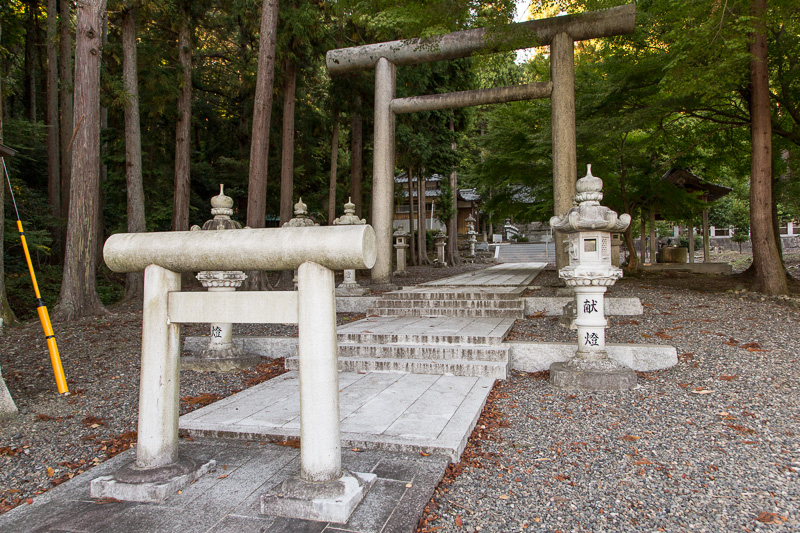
(633, 259)
(30, 60)
(262, 111)
(287, 141)
(65, 96)
(53, 159)
(134, 283)
(180, 211)
(334, 168)
(287, 155)
(770, 276)
(422, 249)
(6, 314)
(356, 155)
(78, 295)
(412, 239)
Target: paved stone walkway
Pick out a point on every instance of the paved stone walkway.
(504, 275)
(379, 410)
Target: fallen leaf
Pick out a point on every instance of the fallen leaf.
(700, 390)
(559, 477)
(504, 496)
(641, 462)
(728, 378)
(103, 501)
(771, 518)
(458, 521)
(423, 454)
(630, 438)
(223, 476)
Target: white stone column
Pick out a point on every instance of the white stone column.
(320, 453)
(383, 170)
(159, 383)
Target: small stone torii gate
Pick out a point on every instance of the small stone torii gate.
(560, 33)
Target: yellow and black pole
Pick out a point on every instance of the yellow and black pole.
(41, 309)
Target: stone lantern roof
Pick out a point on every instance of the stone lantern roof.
(588, 214)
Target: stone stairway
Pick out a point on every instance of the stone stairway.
(462, 302)
(523, 253)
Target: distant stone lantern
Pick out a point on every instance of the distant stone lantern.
(221, 355)
(471, 235)
(440, 239)
(350, 287)
(588, 227)
(401, 245)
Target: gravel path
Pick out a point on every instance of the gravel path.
(710, 445)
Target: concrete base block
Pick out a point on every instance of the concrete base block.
(354, 290)
(569, 377)
(538, 356)
(203, 363)
(149, 485)
(330, 501)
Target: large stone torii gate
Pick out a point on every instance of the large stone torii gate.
(560, 33)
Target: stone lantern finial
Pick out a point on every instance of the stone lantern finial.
(300, 209)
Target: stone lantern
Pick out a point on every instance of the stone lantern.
(221, 355)
(350, 287)
(440, 239)
(588, 227)
(471, 235)
(300, 220)
(401, 245)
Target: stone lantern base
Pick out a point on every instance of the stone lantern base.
(582, 374)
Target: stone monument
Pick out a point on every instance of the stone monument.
(350, 287)
(588, 226)
(471, 236)
(440, 239)
(221, 355)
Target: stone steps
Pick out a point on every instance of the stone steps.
(489, 369)
(477, 313)
(466, 352)
(417, 339)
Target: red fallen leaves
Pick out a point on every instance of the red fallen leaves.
(771, 518)
(202, 400)
(728, 378)
(741, 429)
(11, 452)
(630, 438)
(752, 347)
(120, 443)
(92, 420)
(291, 443)
(265, 372)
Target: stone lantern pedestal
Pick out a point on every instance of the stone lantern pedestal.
(350, 287)
(401, 245)
(221, 355)
(588, 227)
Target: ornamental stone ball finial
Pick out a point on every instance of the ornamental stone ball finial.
(349, 217)
(589, 188)
(221, 209)
(300, 209)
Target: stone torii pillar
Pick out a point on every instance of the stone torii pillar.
(558, 32)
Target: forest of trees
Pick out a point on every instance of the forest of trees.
(127, 114)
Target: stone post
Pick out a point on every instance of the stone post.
(589, 227)
(350, 287)
(401, 245)
(440, 239)
(158, 470)
(565, 158)
(383, 170)
(8, 409)
(691, 243)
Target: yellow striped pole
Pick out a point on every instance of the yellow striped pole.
(41, 308)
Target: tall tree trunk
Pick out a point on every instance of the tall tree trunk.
(356, 155)
(287, 141)
(65, 97)
(53, 159)
(262, 111)
(451, 252)
(78, 295)
(6, 314)
(334, 168)
(183, 130)
(134, 283)
(287, 154)
(30, 60)
(422, 249)
(412, 239)
(770, 276)
(259, 142)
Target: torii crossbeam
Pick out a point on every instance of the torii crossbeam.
(560, 33)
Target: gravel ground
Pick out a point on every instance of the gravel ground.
(710, 445)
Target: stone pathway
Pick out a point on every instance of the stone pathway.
(378, 410)
(504, 275)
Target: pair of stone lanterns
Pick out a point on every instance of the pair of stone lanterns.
(590, 272)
